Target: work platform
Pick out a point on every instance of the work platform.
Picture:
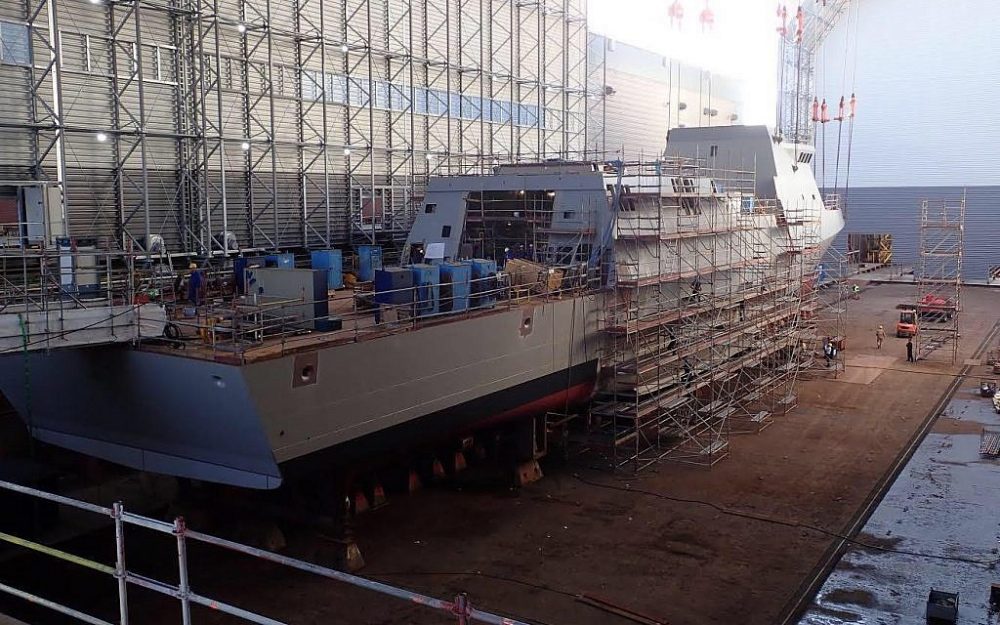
(70, 296)
(79, 326)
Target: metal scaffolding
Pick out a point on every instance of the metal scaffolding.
(208, 125)
(703, 324)
(826, 289)
(797, 65)
(939, 275)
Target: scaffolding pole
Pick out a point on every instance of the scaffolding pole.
(826, 290)
(703, 321)
(939, 275)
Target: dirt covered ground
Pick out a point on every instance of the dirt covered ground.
(672, 544)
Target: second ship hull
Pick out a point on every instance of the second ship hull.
(236, 424)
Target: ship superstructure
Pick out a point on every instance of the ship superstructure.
(516, 291)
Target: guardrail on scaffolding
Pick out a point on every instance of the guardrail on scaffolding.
(71, 295)
(459, 608)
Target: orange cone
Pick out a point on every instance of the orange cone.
(414, 482)
(459, 461)
(438, 469)
(360, 503)
(378, 499)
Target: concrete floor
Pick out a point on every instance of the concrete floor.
(944, 504)
(652, 543)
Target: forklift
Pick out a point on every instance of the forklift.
(906, 327)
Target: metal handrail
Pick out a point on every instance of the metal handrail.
(254, 324)
(460, 608)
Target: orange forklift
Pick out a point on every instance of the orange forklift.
(906, 327)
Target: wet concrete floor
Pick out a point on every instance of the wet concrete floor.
(945, 506)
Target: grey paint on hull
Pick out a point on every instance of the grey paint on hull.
(223, 423)
(896, 210)
(373, 385)
(154, 412)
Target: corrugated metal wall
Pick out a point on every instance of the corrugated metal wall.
(925, 126)
(646, 94)
(304, 107)
(896, 210)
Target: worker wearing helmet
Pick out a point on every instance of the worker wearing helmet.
(196, 284)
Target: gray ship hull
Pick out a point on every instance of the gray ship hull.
(236, 424)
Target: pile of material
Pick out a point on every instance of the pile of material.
(533, 277)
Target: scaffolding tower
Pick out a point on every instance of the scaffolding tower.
(939, 275)
(703, 321)
(826, 289)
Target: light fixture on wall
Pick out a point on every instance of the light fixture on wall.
(102, 137)
(245, 146)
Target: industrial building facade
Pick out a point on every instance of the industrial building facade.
(638, 95)
(203, 126)
(923, 128)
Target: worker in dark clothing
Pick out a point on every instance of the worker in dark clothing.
(743, 311)
(828, 351)
(696, 288)
(687, 372)
(909, 350)
(196, 285)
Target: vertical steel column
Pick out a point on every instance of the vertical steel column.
(515, 83)
(540, 89)
(183, 582)
(219, 121)
(324, 137)
(301, 125)
(129, 125)
(272, 139)
(247, 131)
(372, 95)
(143, 156)
(121, 572)
(55, 60)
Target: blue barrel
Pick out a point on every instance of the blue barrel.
(426, 282)
(332, 261)
(369, 261)
(484, 283)
(455, 283)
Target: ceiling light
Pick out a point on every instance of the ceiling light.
(245, 146)
(241, 27)
(102, 137)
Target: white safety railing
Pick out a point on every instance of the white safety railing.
(459, 608)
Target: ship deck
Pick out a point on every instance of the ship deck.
(220, 332)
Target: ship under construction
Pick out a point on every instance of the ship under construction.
(666, 303)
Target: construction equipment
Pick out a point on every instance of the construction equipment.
(936, 308)
(906, 327)
(988, 388)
